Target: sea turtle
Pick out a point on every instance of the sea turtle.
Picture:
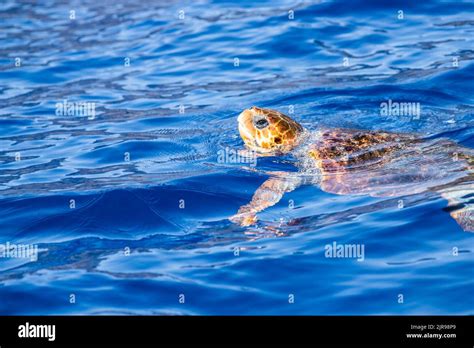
(349, 161)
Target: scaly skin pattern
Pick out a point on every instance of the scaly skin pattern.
(278, 137)
(341, 153)
(352, 162)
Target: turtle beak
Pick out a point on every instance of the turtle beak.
(245, 124)
(247, 130)
(243, 116)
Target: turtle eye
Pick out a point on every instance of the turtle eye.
(261, 123)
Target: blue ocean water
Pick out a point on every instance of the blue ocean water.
(129, 207)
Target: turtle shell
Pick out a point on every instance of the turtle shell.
(384, 164)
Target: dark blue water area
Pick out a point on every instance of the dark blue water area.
(129, 207)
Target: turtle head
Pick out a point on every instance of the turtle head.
(268, 131)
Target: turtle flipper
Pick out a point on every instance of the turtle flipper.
(461, 205)
(267, 195)
(465, 218)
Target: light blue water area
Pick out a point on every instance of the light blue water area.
(129, 208)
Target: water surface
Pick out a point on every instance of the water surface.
(129, 208)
